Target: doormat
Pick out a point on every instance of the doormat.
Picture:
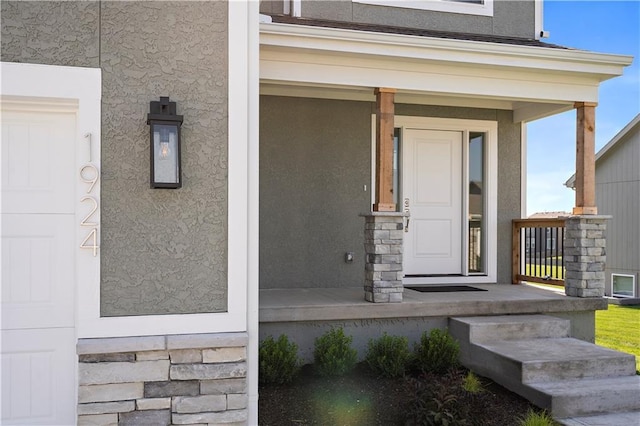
(444, 288)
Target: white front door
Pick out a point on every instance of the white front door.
(38, 265)
(432, 191)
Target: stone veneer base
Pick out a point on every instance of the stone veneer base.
(585, 255)
(163, 380)
(383, 238)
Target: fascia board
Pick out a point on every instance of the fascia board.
(472, 52)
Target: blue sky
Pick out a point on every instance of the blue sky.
(604, 26)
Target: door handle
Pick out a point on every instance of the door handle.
(407, 210)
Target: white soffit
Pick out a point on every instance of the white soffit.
(305, 56)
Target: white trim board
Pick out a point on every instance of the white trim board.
(491, 173)
(482, 9)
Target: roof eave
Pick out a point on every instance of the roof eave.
(601, 65)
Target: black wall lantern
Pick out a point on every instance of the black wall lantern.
(165, 144)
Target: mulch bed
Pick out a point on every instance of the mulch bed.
(361, 398)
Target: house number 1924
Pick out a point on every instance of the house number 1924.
(89, 175)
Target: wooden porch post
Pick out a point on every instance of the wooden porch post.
(384, 150)
(585, 159)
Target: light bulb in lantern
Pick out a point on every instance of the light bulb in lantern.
(165, 141)
(164, 150)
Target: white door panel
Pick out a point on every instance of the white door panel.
(38, 162)
(37, 271)
(38, 379)
(432, 182)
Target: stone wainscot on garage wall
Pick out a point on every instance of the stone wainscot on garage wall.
(162, 380)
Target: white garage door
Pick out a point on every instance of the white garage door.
(38, 265)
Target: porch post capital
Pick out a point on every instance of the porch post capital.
(384, 90)
(585, 104)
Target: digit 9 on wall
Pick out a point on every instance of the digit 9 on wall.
(89, 175)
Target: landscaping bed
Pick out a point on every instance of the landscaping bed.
(362, 398)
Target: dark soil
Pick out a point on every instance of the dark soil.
(361, 398)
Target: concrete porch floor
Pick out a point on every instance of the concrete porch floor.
(328, 304)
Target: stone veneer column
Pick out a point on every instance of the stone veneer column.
(585, 255)
(383, 236)
(163, 380)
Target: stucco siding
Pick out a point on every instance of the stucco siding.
(510, 18)
(618, 195)
(509, 187)
(315, 159)
(314, 164)
(50, 32)
(162, 251)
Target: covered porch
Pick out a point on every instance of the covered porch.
(332, 102)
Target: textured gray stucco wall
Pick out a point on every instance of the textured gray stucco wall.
(314, 163)
(162, 251)
(47, 32)
(510, 18)
(509, 185)
(315, 158)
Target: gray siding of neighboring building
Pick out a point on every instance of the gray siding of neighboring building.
(162, 251)
(510, 18)
(618, 195)
(315, 159)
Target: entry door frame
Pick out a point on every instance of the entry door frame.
(466, 126)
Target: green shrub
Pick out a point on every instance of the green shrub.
(333, 354)
(388, 356)
(537, 419)
(437, 351)
(472, 383)
(279, 362)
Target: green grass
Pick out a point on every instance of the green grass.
(542, 270)
(619, 328)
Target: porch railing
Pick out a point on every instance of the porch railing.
(538, 251)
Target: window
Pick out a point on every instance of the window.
(396, 168)
(476, 201)
(468, 7)
(623, 285)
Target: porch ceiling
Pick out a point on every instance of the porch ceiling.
(532, 81)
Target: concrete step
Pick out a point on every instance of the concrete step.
(508, 327)
(533, 356)
(590, 397)
(540, 360)
(612, 419)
